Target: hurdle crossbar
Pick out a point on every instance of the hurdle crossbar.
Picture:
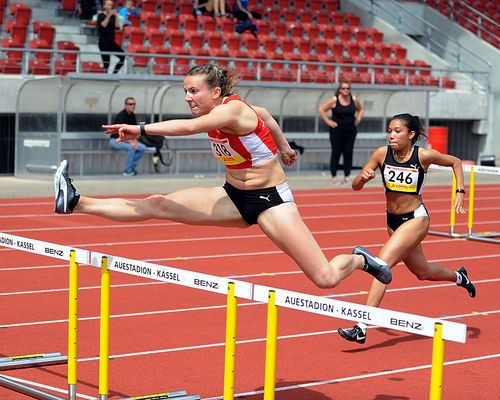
(410, 323)
(231, 288)
(74, 256)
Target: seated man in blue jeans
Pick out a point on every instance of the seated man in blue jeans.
(135, 149)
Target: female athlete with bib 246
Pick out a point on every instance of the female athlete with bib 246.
(403, 166)
(246, 140)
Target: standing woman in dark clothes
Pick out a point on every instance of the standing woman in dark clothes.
(107, 22)
(347, 113)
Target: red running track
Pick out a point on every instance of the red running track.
(165, 337)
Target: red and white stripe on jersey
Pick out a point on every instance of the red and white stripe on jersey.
(243, 151)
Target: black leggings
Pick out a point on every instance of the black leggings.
(342, 144)
(111, 46)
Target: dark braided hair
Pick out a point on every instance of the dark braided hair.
(216, 76)
(412, 122)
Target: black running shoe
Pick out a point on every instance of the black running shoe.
(374, 266)
(66, 197)
(466, 283)
(354, 334)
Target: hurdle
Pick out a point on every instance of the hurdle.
(75, 257)
(452, 232)
(438, 329)
(480, 236)
(231, 288)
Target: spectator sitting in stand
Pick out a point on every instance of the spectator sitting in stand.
(126, 11)
(245, 17)
(135, 149)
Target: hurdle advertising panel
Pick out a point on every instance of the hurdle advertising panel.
(43, 248)
(176, 276)
(417, 324)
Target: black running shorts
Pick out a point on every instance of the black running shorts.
(251, 203)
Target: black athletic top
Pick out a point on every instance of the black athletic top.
(406, 177)
(123, 117)
(344, 115)
(106, 34)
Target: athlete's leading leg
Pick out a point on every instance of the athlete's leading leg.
(285, 227)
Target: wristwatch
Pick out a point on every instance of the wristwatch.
(460, 191)
(142, 128)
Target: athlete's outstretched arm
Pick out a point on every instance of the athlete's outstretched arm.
(219, 117)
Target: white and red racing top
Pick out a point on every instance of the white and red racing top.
(243, 151)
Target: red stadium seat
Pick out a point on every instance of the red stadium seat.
(62, 67)
(195, 41)
(37, 44)
(188, 22)
(92, 67)
(425, 67)
(15, 56)
(358, 33)
(448, 83)
(251, 43)
(47, 33)
(135, 20)
(150, 20)
(38, 67)
(226, 26)
(351, 19)
(171, 22)
(69, 46)
(133, 34)
(161, 64)
(374, 34)
(148, 6)
(68, 5)
(175, 40)
(18, 32)
(9, 66)
(21, 13)
(207, 23)
(154, 36)
(279, 30)
(139, 61)
(167, 8)
(337, 18)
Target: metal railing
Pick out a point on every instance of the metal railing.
(264, 70)
(436, 41)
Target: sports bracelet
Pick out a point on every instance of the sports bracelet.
(460, 191)
(142, 128)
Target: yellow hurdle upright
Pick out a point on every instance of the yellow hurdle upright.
(437, 363)
(272, 338)
(104, 331)
(230, 350)
(72, 325)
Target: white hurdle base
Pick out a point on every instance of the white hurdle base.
(27, 390)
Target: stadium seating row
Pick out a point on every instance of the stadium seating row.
(281, 42)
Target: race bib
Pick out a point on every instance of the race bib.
(401, 179)
(223, 151)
